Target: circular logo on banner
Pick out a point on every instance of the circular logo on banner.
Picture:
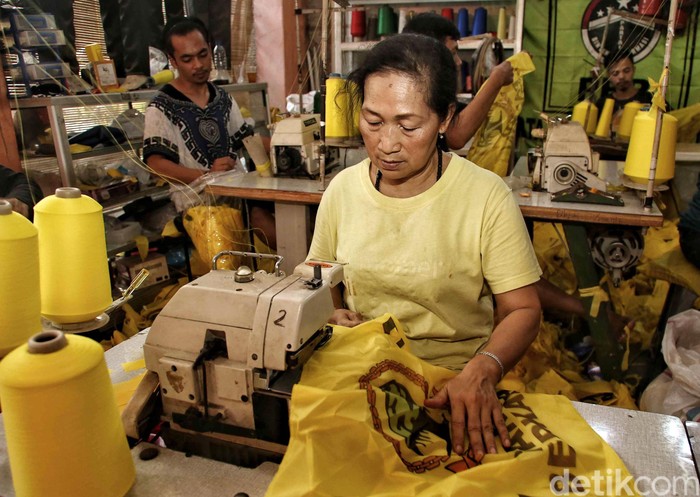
(640, 36)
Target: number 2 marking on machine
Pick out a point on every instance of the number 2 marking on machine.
(278, 321)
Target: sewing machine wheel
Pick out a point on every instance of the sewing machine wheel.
(564, 174)
(616, 249)
(289, 160)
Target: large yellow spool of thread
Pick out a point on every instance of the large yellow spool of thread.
(624, 130)
(339, 124)
(20, 304)
(586, 113)
(64, 434)
(603, 130)
(74, 271)
(641, 144)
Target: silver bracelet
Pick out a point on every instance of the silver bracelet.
(495, 358)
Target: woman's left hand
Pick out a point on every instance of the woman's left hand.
(473, 403)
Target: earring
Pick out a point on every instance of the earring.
(441, 136)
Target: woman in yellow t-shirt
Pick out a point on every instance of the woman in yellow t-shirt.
(430, 237)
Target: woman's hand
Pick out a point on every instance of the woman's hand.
(473, 403)
(347, 318)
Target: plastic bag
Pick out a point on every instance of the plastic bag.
(676, 391)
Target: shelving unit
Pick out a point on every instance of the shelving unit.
(346, 53)
(68, 115)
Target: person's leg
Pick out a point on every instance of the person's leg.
(690, 245)
(262, 221)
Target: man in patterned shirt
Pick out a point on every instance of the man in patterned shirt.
(192, 126)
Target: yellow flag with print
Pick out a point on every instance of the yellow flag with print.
(359, 428)
(492, 145)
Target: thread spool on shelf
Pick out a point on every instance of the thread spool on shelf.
(386, 21)
(463, 22)
(73, 266)
(20, 303)
(358, 24)
(502, 30)
(79, 448)
(479, 25)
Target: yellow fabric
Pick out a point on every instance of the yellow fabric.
(654, 88)
(358, 428)
(688, 123)
(493, 142)
(599, 296)
(214, 229)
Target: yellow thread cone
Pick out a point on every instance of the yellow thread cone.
(624, 130)
(640, 147)
(74, 272)
(586, 113)
(20, 305)
(602, 130)
(339, 123)
(64, 433)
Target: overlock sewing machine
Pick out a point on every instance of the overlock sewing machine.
(565, 159)
(222, 357)
(296, 147)
(567, 168)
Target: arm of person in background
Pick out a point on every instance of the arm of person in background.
(172, 170)
(471, 395)
(16, 188)
(466, 123)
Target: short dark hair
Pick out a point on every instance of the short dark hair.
(424, 59)
(433, 25)
(615, 56)
(181, 26)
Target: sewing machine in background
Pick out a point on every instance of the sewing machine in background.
(565, 159)
(223, 355)
(295, 147)
(567, 168)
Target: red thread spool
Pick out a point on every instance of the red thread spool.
(448, 13)
(358, 24)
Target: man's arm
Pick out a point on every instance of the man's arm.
(19, 191)
(170, 170)
(467, 122)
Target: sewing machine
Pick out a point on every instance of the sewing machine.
(565, 159)
(295, 147)
(222, 357)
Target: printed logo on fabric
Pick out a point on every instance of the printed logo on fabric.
(421, 437)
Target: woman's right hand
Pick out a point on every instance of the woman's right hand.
(346, 317)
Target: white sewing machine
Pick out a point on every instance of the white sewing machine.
(295, 147)
(565, 159)
(222, 357)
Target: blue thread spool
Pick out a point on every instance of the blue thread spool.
(463, 22)
(479, 26)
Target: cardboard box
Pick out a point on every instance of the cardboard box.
(129, 267)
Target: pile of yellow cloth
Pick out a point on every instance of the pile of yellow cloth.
(358, 427)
